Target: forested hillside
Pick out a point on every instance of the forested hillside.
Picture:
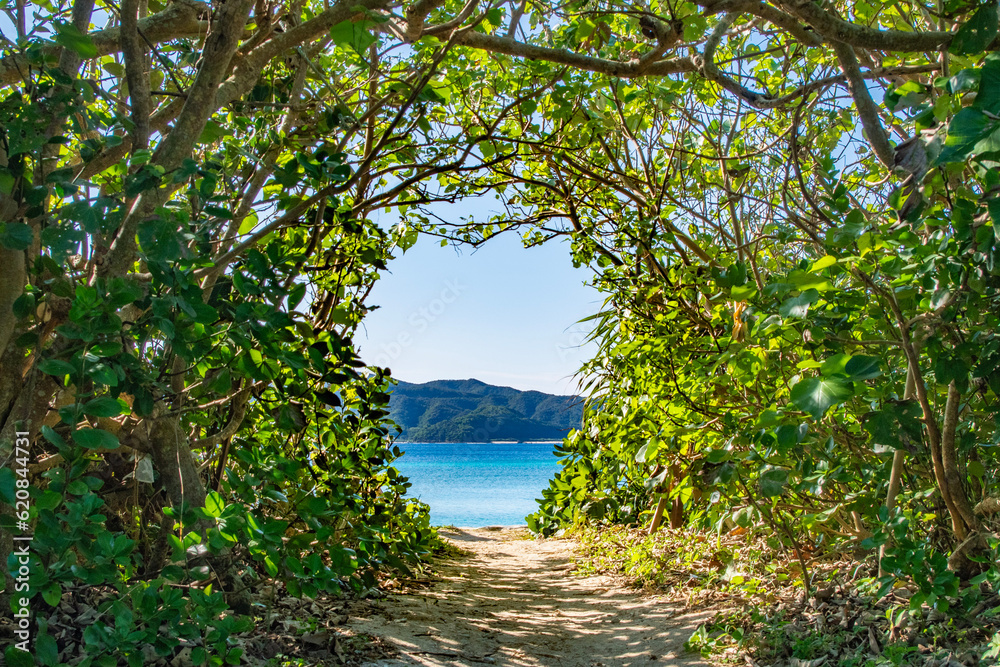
(473, 411)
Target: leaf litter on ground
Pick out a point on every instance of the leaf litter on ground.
(763, 617)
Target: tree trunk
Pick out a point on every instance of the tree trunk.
(654, 524)
(949, 460)
(896, 475)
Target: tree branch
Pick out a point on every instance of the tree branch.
(136, 74)
(179, 19)
(867, 109)
(416, 14)
(619, 68)
(220, 45)
(836, 29)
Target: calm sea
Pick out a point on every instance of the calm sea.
(478, 484)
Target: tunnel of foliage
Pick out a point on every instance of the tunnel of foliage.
(793, 209)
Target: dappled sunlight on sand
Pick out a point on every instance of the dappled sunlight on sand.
(516, 602)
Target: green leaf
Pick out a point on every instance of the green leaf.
(585, 28)
(49, 434)
(248, 223)
(732, 276)
(24, 305)
(69, 36)
(952, 368)
(805, 281)
(965, 80)
(967, 129)
(717, 455)
(817, 395)
(789, 435)
(822, 263)
(95, 438)
(988, 97)
(213, 132)
(56, 367)
(798, 306)
(291, 417)
(77, 488)
(52, 595)
(858, 367)
(295, 295)
(861, 367)
(977, 33)
(214, 504)
(896, 425)
(110, 349)
(18, 658)
(105, 406)
(16, 236)
(49, 500)
(835, 365)
(7, 181)
(773, 482)
(46, 649)
(357, 35)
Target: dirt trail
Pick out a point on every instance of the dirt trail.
(515, 602)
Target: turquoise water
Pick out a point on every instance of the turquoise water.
(478, 484)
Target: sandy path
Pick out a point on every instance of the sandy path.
(514, 602)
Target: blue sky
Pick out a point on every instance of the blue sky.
(502, 314)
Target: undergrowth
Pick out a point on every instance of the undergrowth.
(763, 615)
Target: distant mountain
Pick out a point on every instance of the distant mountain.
(473, 411)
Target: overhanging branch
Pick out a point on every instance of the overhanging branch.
(867, 109)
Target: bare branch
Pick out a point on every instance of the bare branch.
(136, 73)
(416, 14)
(619, 68)
(834, 28)
(220, 45)
(867, 109)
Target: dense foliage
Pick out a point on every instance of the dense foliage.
(801, 324)
(473, 411)
(792, 208)
(186, 250)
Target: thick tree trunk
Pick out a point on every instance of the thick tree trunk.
(182, 482)
(174, 461)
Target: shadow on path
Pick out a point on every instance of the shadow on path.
(515, 602)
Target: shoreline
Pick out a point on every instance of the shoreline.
(490, 442)
(449, 527)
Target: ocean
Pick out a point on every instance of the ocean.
(475, 484)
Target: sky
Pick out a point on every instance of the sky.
(502, 314)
